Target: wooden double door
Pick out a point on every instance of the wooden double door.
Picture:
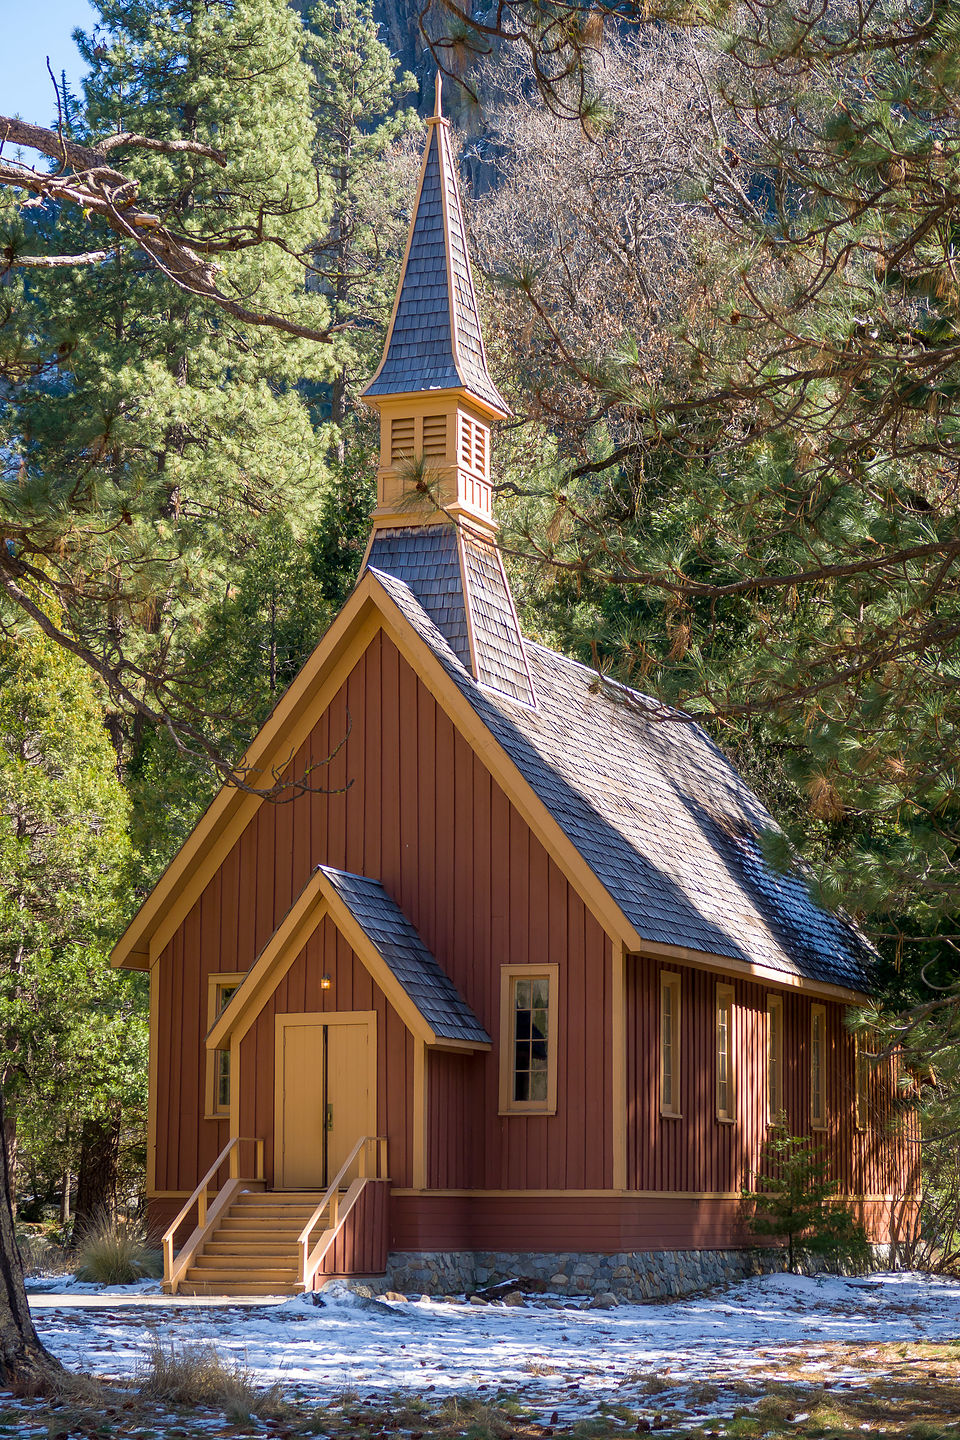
(326, 1095)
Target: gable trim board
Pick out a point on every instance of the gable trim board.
(318, 898)
(370, 608)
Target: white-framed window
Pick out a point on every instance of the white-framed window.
(818, 1066)
(774, 1059)
(528, 1039)
(670, 994)
(726, 1062)
(220, 991)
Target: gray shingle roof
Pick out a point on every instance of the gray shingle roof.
(437, 300)
(427, 558)
(400, 947)
(659, 814)
(501, 663)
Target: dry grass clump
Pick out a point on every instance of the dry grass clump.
(39, 1255)
(116, 1252)
(196, 1376)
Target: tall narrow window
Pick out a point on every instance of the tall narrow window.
(669, 1043)
(862, 1078)
(528, 1039)
(220, 991)
(774, 1059)
(818, 1067)
(726, 1095)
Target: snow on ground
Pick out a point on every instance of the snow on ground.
(567, 1360)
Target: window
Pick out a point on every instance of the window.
(220, 991)
(669, 1043)
(528, 1039)
(818, 1067)
(862, 1078)
(774, 1060)
(726, 1095)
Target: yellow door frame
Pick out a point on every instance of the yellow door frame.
(321, 1017)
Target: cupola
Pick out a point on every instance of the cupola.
(433, 391)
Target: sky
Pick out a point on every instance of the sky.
(32, 30)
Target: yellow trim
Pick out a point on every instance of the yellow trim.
(726, 999)
(670, 982)
(421, 1102)
(861, 1082)
(320, 1017)
(509, 974)
(411, 1192)
(368, 609)
(818, 1012)
(317, 899)
(216, 981)
(230, 811)
(774, 1077)
(618, 1064)
(153, 1039)
(727, 965)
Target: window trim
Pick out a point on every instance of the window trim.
(509, 974)
(861, 1081)
(774, 1008)
(818, 1012)
(672, 981)
(217, 980)
(726, 997)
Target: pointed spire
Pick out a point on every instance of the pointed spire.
(438, 103)
(434, 341)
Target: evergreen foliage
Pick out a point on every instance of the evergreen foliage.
(794, 1200)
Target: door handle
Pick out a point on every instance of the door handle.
(328, 1121)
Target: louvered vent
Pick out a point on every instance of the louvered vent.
(401, 439)
(435, 436)
(479, 447)
(466, 440)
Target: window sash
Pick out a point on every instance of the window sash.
(726, 1092)
(669, 1044)
(818, 1066)
(529, 1001)
(774, 1059)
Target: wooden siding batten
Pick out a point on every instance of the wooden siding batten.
(618, 1062)
(420, 1114)
(152, 1095)
(207, 846)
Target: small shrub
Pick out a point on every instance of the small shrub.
(40, 1255)
(795, 1201)
(116, 1252)
(196, 1375)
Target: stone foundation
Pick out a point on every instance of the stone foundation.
(647, 1275)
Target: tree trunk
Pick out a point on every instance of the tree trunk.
(65, 1197)
(12, 1150)
(97, 1174)
(24, 1364)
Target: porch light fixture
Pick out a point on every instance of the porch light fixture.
(325, 982)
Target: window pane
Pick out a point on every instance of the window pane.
(522, 999)
(521, 1086)
(530, 1039)
(538, 1085)
(540, 994)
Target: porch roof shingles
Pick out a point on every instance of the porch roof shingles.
(408, 959)
(658, 812)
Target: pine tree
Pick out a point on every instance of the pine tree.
(361, 125)
(795, 1200)
(156, 432)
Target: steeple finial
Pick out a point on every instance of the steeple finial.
(438, 104)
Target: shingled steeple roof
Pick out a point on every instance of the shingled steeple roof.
(434, 341)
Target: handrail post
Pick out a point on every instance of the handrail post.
(259, 1161)
(382, 1147)
(235, 1158)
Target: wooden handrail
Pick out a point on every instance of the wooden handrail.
(309, 1262)
(231, 1151)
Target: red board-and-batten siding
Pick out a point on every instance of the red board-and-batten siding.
(409, 802)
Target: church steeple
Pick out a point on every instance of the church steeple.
(433, 390)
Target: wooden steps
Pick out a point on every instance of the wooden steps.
(253, 1248)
